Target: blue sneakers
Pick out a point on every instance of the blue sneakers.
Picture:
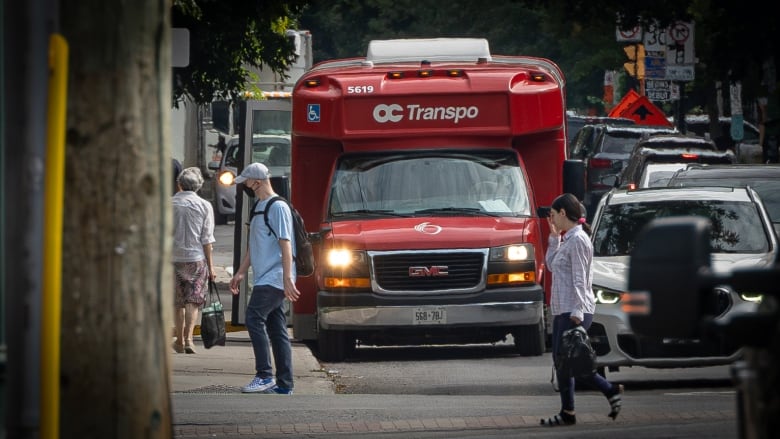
(258, 385)
(281, 390)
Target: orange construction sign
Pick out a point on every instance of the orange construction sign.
(638, 107)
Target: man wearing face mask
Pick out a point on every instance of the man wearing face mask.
(273, 280)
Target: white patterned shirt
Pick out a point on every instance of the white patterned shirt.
(570, 260)
(193, 226)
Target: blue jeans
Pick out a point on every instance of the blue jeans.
(561, 323)
(265, 320)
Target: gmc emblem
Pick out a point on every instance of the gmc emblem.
(432, 271)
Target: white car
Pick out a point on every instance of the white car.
(271, 150)
(742, 237)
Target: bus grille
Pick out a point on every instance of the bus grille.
(464, 271)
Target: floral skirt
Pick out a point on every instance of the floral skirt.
(190, 282)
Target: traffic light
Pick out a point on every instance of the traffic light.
(636, 64)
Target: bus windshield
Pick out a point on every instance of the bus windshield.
(487, 183)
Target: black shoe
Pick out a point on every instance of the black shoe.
(560, 419)
(615, 401)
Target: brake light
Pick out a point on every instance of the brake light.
(631, 186)
(689, 156)
(600, 163)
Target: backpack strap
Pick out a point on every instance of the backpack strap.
(265, 214)
(252, 212)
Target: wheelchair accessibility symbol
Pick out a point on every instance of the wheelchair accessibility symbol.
(313, 113)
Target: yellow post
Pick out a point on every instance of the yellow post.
(54, 182)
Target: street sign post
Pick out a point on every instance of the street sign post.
(658, 90)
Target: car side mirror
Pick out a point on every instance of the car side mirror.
(574, 178)
(543, 211)
(669, 278)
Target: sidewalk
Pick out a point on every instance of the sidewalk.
(227, 368)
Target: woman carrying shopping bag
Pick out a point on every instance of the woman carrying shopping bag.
(569, 257)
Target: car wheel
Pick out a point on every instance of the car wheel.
(530, 339)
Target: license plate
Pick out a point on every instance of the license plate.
(429, 316)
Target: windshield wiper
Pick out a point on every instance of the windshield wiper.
(455, 210)
(370, 212)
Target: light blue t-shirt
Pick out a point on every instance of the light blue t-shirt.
(266, 255)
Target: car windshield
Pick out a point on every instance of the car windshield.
(487, 183)
(736, 226)
(619, 144)
(271, 151)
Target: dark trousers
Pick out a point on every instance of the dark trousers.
(267, 324)
(561, 323)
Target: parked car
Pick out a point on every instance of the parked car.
(605, 150)
(745, 150)
(742, 237)
(764, 178)
(674, 150)
(271, 150)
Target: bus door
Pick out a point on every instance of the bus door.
(264, 136)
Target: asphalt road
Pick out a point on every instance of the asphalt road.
(453, 392)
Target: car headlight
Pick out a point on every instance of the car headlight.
(606, 295)
(751, 297)
(511, 253)
(226, 178)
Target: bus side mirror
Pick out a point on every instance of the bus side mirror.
(669, 278)
(574, 178)
(281, 185)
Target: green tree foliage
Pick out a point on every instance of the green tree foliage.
(225, 37)
(732, 39)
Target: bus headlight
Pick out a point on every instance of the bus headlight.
(511, 253)
(346, 268)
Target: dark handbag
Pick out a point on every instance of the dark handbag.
(576, 357)
(212, 320)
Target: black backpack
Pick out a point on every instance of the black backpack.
(304, 255)
(576, 356)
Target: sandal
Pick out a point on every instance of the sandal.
(178, 348)
(188, 348)
(561, 419)
(615, 402)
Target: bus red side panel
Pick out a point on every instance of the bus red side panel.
(313, 161)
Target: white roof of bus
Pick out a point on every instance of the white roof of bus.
(431, 49)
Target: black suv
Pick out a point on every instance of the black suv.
(574, 123)
(605, 149)
(675, 152)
